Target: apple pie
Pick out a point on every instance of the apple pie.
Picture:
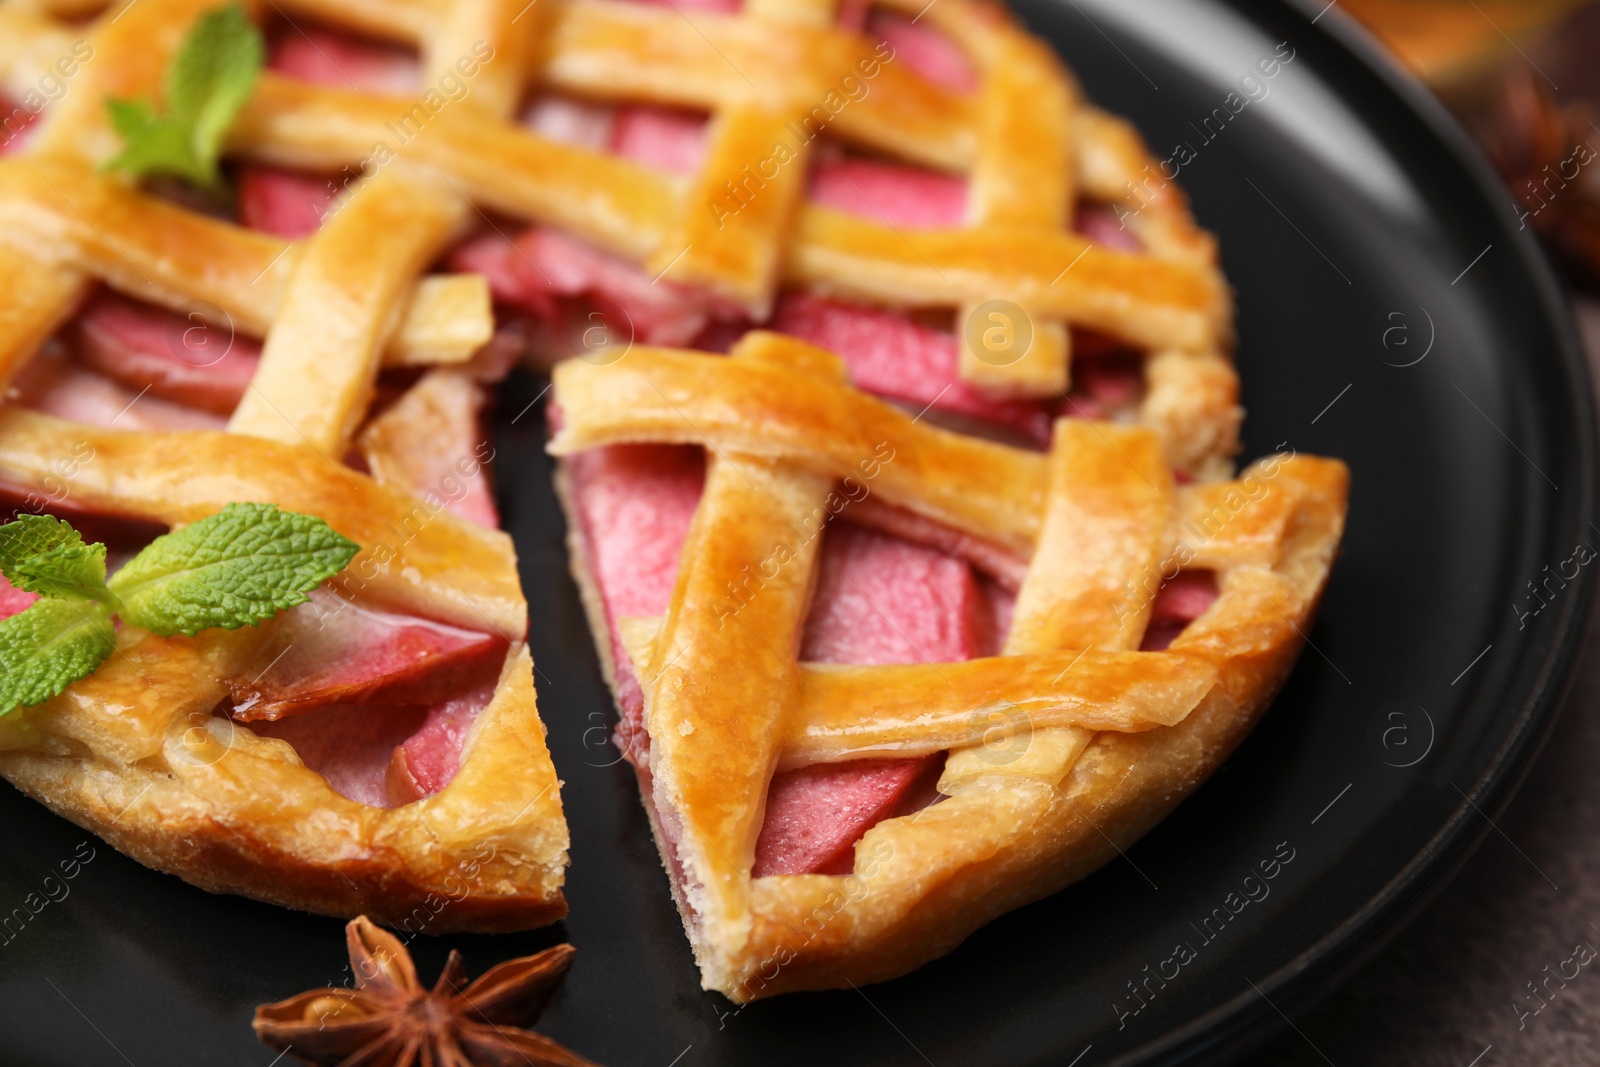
(895, 421)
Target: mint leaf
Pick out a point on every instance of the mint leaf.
(210, 79)
(66, 572)
(152, 144)
(29, 535)
(49, 646)
(45, 555)
(212, 76)
(239, 567)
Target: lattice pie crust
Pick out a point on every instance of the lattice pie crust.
(1116, 737)
(1101, 521)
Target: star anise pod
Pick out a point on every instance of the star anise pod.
(389, 1020)
(1546, 153)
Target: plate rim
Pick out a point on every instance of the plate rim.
(1247, 1021)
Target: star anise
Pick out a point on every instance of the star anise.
(1546, 154)
(389, 1020)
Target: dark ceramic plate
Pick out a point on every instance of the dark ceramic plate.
(1390, 314)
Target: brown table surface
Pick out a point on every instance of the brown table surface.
(1453, 988)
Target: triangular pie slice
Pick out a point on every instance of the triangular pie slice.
(825, 823)
(145, 752)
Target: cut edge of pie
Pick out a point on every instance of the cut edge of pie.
(178, 751)
(136, 754)
(334, 306)
(1002, 833)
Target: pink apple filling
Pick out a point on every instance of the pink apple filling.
(879, 599)
(13, 600)
(284, 203)
(428, 760)
(1100, 224)
(661, 137)
(1181, 599)
(634, 504)
(924, 49)
(378, 703)
(896, 357)
(575, 288)
(905, 196)
(182, 359)
(16, 125)
(55, 383)
(332, 651)
(344, 61)
(134, 366)
(351, 746)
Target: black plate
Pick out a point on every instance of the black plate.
(1360, 234)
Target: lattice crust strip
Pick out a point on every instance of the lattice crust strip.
(1112, 738)
(134, 752)
(1029, 146)
(63, 227)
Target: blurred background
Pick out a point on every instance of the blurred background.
(1523, 76)
(1476, 980)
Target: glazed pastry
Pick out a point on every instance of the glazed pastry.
(1049, 651)
(377, 750)
(846, 175)
(887, 670)
(932, 588)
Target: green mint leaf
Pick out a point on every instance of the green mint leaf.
(212, 76)
(152, 144)
(48, 646)
(239, 567)
(66, 572)
(29, 535)
(210, 79)
(45, 555)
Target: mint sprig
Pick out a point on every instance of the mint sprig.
(236, 568)
(210, 79)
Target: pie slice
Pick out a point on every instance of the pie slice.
(368, 777)
(858, 745)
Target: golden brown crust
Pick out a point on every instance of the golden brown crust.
(1017, 822)
(58, 217)
(1029, 146)
(763, 408)
(322, 354)
(234, 812)
(781, 422)
(1044, 836)
(134, 751)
